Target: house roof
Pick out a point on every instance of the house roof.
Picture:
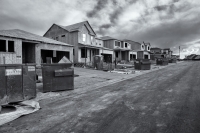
(108, 38)
(76, 27)
(155, 48)
(146, 43)
(16, 33)
(132, 42)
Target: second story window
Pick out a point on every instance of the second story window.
(84, 37)
(126, 45)
(63, 36)
(92, 38)
(117, 43)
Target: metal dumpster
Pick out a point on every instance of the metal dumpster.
(17, 83)
(57, 77)
(11, 88)
(29, 81)
(162, 61)
(142, 64)
(172, 60)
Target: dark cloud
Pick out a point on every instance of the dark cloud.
(168, 34)
(101, 4)
(103, 28)
(161, 8)
(115, 15)
(106, 26)
(163, 26)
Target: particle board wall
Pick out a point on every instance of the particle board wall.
(52, 47)
(109, 44)
(12, 57)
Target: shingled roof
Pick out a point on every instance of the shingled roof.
(20, 34)
(76, 27)
(108, 38)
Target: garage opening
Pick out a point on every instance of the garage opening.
(146, 56)
(52, 56)
(107, 58)
(28, 52)
(132, 56)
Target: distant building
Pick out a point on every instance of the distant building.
(120, 48)
(160, 53)
(18, 46)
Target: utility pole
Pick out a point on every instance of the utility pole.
(179, 52)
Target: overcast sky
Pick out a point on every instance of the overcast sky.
(163, 23)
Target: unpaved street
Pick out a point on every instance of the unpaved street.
(163, 101)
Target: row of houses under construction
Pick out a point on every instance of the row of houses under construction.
(78, 42)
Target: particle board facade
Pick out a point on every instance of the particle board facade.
(42, 46)
(75, 38)
(12, 57)
(109, 44)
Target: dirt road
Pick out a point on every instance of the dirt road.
(164, 101)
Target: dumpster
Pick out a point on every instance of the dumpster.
(162, 61)
(172, 60)
(29, 81)
(57, 77)
(142, 64)
(17, 83)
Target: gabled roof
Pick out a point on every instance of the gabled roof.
(76, 27)
(155, 48)
(108, 38)
(20, 34)
(132, 42)
(146, 43)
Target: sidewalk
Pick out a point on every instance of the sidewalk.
(89, 80)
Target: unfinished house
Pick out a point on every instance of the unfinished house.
(121, 49)
(144, 53)
(81, 36)
(18, 46)
(135, 47)
(156, 53)
(167, 52)
(160, 53)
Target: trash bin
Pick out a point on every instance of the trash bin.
(172, 60)
(57, 77)
(162, 61)
(142, 64)
(29, 81)
(11, 88)
(17, 82)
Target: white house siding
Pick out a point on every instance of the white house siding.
(52, 47)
